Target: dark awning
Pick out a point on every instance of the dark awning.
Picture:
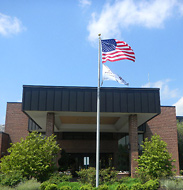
(75, 103)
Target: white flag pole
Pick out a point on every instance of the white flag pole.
(98, 116)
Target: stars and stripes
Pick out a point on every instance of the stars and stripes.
(115, 50)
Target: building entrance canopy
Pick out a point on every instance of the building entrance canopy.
(75, 109)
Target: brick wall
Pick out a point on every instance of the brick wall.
(16, 124)
(165, 125)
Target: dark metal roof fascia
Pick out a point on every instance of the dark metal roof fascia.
(122, 100)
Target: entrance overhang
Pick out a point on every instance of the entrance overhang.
(75, 107)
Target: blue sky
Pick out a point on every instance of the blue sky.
(55, 42)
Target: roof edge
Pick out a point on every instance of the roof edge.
(88, 87)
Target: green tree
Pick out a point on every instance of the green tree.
(155, 161)
(180, 143)
(33, 157)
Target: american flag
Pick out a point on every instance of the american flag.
(115, 50)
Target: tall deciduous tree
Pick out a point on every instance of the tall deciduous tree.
(155, 161)
(33, 157)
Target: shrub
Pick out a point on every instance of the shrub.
(5, 188)
(181, 172)
(108, 175)
(152, 184)
(129, 181)
(29, 185)
(33, 157)
(103, 187)
(86, 187)
(83, 175)
(11, 178)
(44, 185)
(65, 188)
(138, 186)
(56, 178)
(87, 176)
(73, 185)
(155, 162)
(65, 177)
(122, 187)
(149, 185)
(52, 187)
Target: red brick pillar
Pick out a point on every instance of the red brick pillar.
(133, 140)
(50, 121)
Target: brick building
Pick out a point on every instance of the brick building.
(128, 115)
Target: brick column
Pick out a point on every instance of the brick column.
(50, 121)
(133, 140)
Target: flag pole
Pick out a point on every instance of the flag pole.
(98, 116)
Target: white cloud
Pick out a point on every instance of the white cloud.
(123, 13)
(165, 91)
(179, 106)
(180, 6)
(84, 3)
(10, 25)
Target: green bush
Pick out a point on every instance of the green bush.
(73, 185)
(65, 177)
(65, 188)
(181, 172)
(103, 187)
(138, 186)
(122, 187)
(155, 161)
(86, 187)
(11, 178)
(152, 185)
(52, 187)
(149, 185)
(33, 157)
(29, 185)
(44, 185)
(83, 175)
(56, 178)
(108, 175)
(87, 176)
(128, 181)
(5, 188)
